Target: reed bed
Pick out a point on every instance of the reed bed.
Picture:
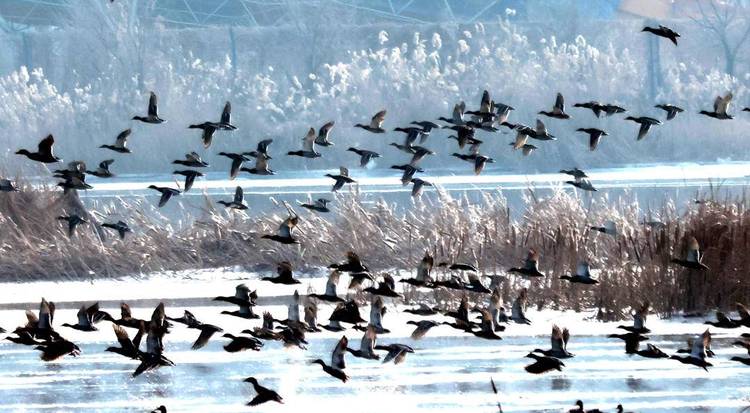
(632, 267)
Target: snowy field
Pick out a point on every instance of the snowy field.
(448, 372)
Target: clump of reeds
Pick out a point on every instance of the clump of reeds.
(632, 267)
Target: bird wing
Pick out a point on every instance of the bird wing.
(124, 339)
(263, 145)
(458, 111)
(165, 196)
(485, 105)
(238, 196)
(540, 128)
(583, 269)
(45, 146)
(226, 114)
(208, 135)
(377, 121)
(308, 142)
(722, 104)
(152, 108)
(337, 357)
(193, 157)
(559, 104)
(325, 130)
(106, 163)
(122, 139)
(643, 130)
(343, 171)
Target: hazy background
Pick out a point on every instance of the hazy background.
(81, 69)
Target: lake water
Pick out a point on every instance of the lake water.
(449, 371)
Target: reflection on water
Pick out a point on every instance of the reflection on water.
(560, 383)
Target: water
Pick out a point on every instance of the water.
(448, 372)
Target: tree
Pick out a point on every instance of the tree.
(729, 23)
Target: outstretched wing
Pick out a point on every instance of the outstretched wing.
(152, 101)
(45, 146)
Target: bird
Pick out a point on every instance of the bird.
(385, 288)
(244, 299)
(338, 364)
(285, 233)
(237, 160)
(330, 294)
(609, 228)
(721, 105)
(396, 352)
(73, 222)
(530, 266)
(693, 257)
(207, 135)
(160, 409)
(367, 345)
(595, 135)
(697, 356)
(54, 350)
(376, 123)
(320, 205)
(423, 326)
(365, 156)
(262, 149)
(86, 319)
(663, 31)
(152, 116)
(153, 357)
(166, 193)
(241, 343)
(418, 186)
(408, 174)
(558, 111)
(582, 275)
(353, 264)
(192, 160)
(261, 166)
(541, 133)
(341, 179)
(285, 276)
(579, 409)
(583, 184)
(423, 278)
(722, 321)
(262, 394)
(226, 117)
(323, 133)
(347, 312)
(457, 117)
(7, 186)
(543, 364)
(594, 106)
(559, 344)
(44, 153)
(128, 348)
(308, 146)
(632, 341)
(206, 330)
(486, 327)
(103, 170)
(127, 319)
(238, 202)
(190, 176)
(639, 320)
(645, 122)
(575, 173)
(517, 311)
(671, 110)
(652, 352)
(121, 142)
(479, 162)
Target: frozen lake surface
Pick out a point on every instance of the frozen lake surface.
(449, 371)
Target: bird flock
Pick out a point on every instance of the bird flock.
(484, 320)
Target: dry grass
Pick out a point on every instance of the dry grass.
(632, 267)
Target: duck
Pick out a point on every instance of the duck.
(419, 154)
(639, 320)
(646, 124)
(243, 298)
(697, 356)
(396, 352)
(693, 257)
(341, 179)
(153, 358)
(575, 173)
(543, 364)
(595, 136)
(418, 186)
(610, 109)
(558, 111)
(319, 205)
(582, 275)
(323, 134)
(308, 146)
(541, 133)
(559, 342)
(663, 31)
(386, 288)
(311, 315)
(102, 171)
(579, 409)
(44, 153)
(424, 268)
(721, 105)
(338, 364)
(609, 228)
(207, 136)
(240, 343)
(671, 110)
(7, 186)
(475, 285)
(744, 315)
(353, 264)
(284, 271)
(192, 160)
(377, 312)
(261, 166)
(262, 394)
(583, 184)
(261, 149)
(722, 321)
(152, 116)
(423, 310)
(73, 222)
(23, 337)
(166, 193)
(367, 345)
(486, 327)
(517, 311)
(479, 162)
(652, 352)
(365, 156)
(237, 160)
(461, 316)
(330, 294)
(40, 326)
(347, 312)
(55, 350)
(87, 317)
(160, 409)
(457, 117)
(128, 348)
(266, 330)
(423, 326)
(190, 176)
(594, 106)
(376, 123)
(238, 202)
(285, 233)
(632, 341)
(206, 330)
(530, 266)
(127, 319)
(121, 142)
(408, 174)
